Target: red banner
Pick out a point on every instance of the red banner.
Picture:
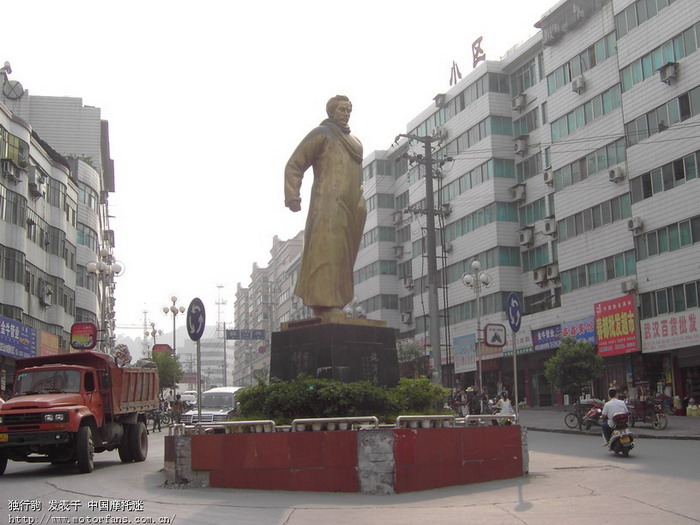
(615, 326)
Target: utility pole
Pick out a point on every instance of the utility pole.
(433, 305)
(219, 303)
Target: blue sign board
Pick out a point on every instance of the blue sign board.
(582, 330)
(196, 319)
(464, 353)
(546, 338)
(514, 310)
(250, 335)
(16, 339)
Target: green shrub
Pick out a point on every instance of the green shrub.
(306, 397)
(419, 396)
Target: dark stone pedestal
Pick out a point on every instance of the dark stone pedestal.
(343, 352)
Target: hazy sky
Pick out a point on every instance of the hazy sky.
(207, 100)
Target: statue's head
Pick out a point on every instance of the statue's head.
(333, 104)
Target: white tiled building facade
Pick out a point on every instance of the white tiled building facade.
(54, 191)
(570, 171)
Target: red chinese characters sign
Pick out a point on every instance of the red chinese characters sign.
(670, 331)
(615, 326)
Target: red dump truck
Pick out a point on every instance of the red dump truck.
(66, 407)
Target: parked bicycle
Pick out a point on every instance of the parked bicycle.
(574, 418)
(163, 416)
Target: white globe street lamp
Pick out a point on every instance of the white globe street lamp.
(476, 280)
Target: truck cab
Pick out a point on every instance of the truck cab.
(66, 407)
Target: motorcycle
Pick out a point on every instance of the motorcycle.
(592, 417)
(622, 440)
(650, 411)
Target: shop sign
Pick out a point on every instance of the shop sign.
(582, 330)
(614, 322)
(464, 353)
(523, 343)
(48, 343)
(546, 338)
(668, 332)
(16, 339)
(83, 336)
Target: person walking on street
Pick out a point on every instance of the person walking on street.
(177, 409)
(473, 402)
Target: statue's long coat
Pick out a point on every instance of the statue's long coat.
(336, 219)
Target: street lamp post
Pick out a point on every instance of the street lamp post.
(153, 333)
(174, 310)
(106, 269)
(476, 280)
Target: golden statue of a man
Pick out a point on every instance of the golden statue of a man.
(336, 219)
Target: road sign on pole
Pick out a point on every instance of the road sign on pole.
(196, 319)
(514, 310)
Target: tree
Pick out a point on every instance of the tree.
(412, 359)
(573, 366)
(169, 370)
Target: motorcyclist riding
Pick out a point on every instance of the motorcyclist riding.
(611, 408)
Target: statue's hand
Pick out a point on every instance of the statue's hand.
(294, 206)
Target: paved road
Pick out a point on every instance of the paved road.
(572, 480)
(551, 419)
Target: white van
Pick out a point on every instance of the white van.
(189, 397)
(217, 405)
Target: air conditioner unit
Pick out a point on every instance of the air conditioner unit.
(519, 102)
(539, 275)
(10, 170)
(526, 237)
(37, 186)
(616, 174)
(520, 146)
(445, 209)
(668, 72)
(407, 317)
(439, 133)
(552, 271)
(635, 224)
(550, 226)
(519, 192)
(548, 177)
(578, 84)
(45, 293)
(398, 251)
(628, 286)
(408, 282)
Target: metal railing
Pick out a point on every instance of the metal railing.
(338, 423)
(334, 423)
(426, 421)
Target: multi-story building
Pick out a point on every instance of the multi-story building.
(57, 265)
(568, 169)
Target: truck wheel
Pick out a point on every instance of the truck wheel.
(124, 446)
(3, 462)
(138, 441)
(85, 450)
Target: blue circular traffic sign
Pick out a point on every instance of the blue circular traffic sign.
(514, 311)
(196, 319)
